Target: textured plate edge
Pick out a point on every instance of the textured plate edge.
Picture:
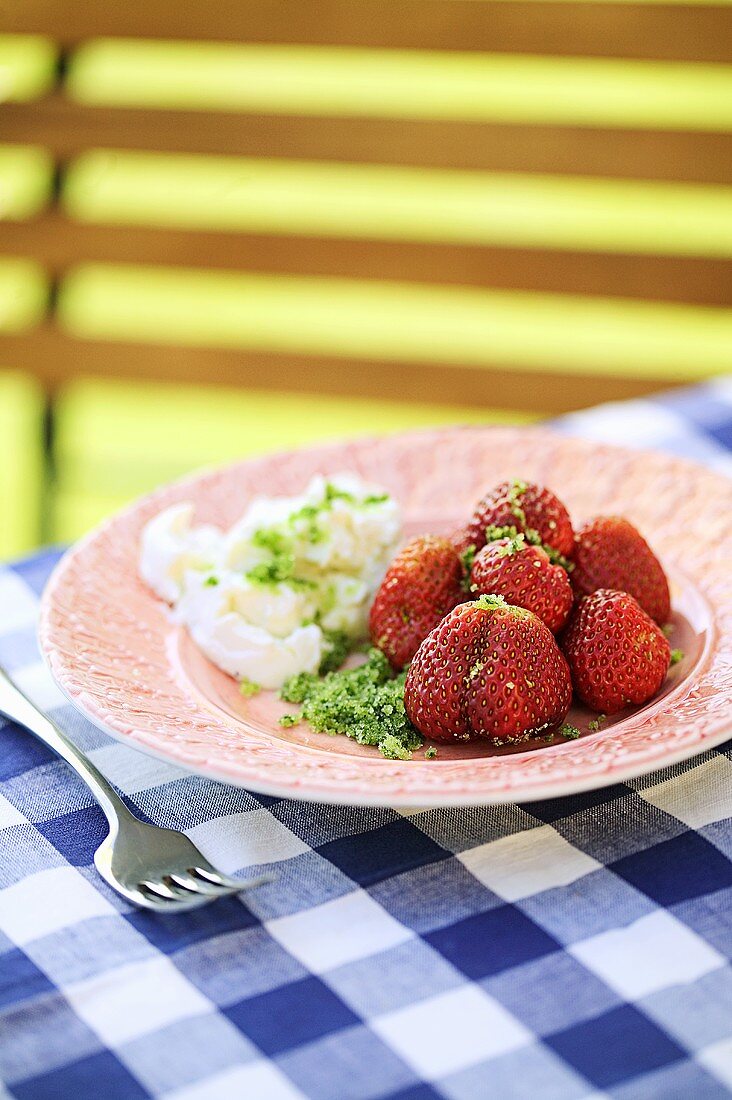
(326, 797)
(533, 791)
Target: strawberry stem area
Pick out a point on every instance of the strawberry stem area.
(530, 535)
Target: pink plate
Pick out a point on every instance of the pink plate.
(111, 646)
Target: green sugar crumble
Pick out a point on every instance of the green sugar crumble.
(336, 649)
(515, 493)
(430, 753)
(513, 546)
(467, 557)
(595, 724)
(364, 703)
(272, 572)
(247, 688)
(676, 656)
(489, 602)
(569, 731)
(532, 536)
(332, 492)
(288, 720)
(393, 749)
(269, 538)
(305, 522)
(280, 568)
(492, 533)
(211, 582)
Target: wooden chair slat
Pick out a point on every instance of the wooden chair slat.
(59, 243)
(46, 353)
(663, 31)
(67, 129)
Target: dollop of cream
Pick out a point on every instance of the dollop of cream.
(260, 599)
(171, 546)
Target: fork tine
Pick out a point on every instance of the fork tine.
(215, 878)
(154, 900)
(159, 890)
(211, 877)
(200, 886)
(144, 899)
(175, 903)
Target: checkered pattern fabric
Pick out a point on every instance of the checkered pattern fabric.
(578, 947)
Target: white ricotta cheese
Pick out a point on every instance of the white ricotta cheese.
(261, 599)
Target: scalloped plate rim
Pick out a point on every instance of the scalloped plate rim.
(538, 789)
(327, 797)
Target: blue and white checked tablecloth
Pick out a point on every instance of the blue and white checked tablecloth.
(578, 947)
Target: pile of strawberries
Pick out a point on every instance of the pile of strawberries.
(502, 621)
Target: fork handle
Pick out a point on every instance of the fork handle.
(16, 705)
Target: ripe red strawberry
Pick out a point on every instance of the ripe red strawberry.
(528, 508)
(616, 653)
(488, 671)
(610, 553)
(524, 576)
(421, 585)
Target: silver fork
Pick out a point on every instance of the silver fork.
(150, 866)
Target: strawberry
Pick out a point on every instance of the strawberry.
(435, 688)
(529, 508)
(616, 653)
(524, 576)
(610, 553)
(488, 671)
(421, 585)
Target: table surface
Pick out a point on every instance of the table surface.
(577, 947)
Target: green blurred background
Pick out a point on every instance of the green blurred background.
(82, 435)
